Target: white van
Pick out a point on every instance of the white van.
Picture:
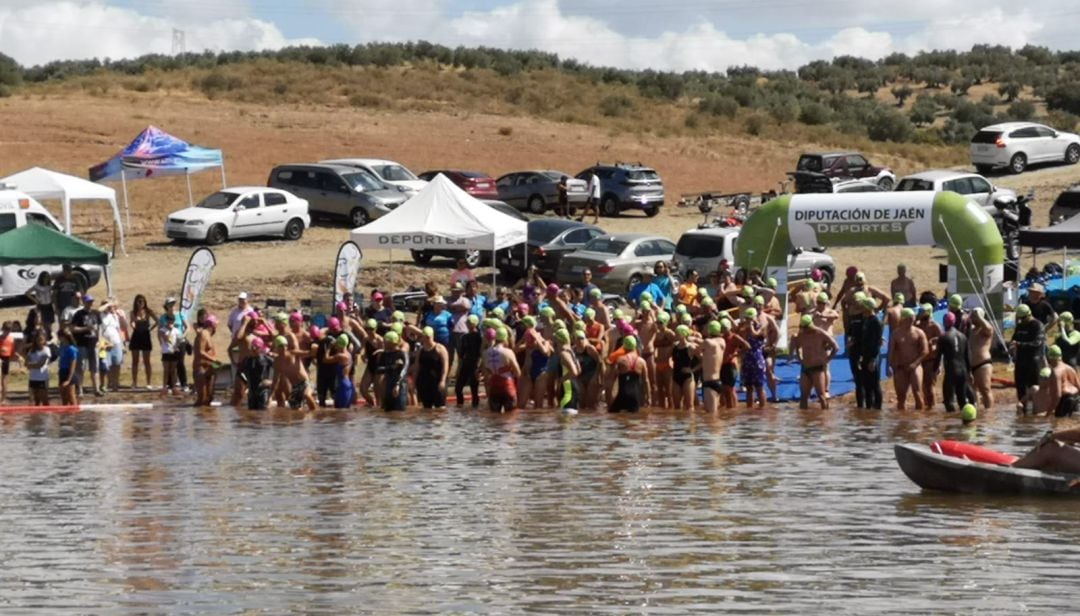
(18, 209)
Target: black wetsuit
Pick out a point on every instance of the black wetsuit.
(324, 373)
(393, 365)
(257, 371)
(868, 377)
(682, 365)
(1029, 340)
(428, 374)
(468, 363)
(1069, 352)
(629, 397)
(955, 367)
(853, 335)
(589, 366)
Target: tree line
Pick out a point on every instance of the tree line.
(856, 95)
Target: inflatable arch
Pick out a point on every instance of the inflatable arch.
(944, 219)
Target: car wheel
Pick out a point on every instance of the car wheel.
(1072, 154)
(609, 207)
(1018, 163)
(636, 278)
(82, 281)
(826, 276)
(358, 217)
(537, 205)
(984, 169)
(216, 235)
(651, 211)
(420, 257)
(294, 230)
(885, 184)
(473, 258)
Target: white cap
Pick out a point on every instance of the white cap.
(243, 295)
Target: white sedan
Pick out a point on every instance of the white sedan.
(243, 211)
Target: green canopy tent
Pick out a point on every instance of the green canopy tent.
(37, 245)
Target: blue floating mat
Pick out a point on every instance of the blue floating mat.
(843, 381)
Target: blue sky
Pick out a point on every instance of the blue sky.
(692, 34)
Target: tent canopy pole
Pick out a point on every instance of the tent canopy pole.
(127, 206)
(67, 214)
(190, 198)
(223, 172)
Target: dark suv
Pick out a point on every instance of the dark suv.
(845, 165)
(625, 186)
(1066, 205)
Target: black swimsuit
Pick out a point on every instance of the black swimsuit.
(428, 373)
(629, 397)
(683, 365)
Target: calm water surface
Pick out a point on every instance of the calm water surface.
(774, 511)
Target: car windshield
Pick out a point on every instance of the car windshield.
(362, 181)
(554, 176)
(914, 184)
(986, 136)
(607, 245)
(809, 163)
(544, 231)
(643, 175)
(218, 200)
(394, 173)
(700, 246)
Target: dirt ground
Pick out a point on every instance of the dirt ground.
(71, 134)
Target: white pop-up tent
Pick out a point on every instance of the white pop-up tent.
(442, 216)
(45, 184)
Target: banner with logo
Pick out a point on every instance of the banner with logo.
(196, 277)
(906, 219)
(346, 270)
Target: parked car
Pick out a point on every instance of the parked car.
(849, 165)
(338, 191)
(703, 249)
(537, 191)
(391, 173)
(477, 184)
(625, 186)
(474, 258)
(814, 182)
(17, 209)
(617, 261)
(976, 187)
(1066, 205)
(241, 211)
(550, 239)
(1017, 144)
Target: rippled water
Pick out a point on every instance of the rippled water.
(774, 511)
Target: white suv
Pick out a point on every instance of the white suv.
(1017, 144)
(243, 211)
(975, 187)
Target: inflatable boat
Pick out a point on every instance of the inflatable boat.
(931, 470)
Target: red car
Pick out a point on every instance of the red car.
(479, 185)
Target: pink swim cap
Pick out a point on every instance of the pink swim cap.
(315, 332)
(210, 321)
(624, 327)
(341, 307)
(950, 320)
(335, 324)
(851, 271)
(296, 317)
(258, 344)
(489, 334)
(553, 288)
(815, 275)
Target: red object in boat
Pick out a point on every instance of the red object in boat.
(39, 409)
(975, 453)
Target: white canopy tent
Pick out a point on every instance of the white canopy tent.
(45, 184)
(444, 217)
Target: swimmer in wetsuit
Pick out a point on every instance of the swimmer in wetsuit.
(432, 365)
(683, 355)
(631, 375)
(956, 369)
(588, 359)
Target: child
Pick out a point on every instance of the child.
(8, 351)
(37, 362)
(170, 338)
(69, 356)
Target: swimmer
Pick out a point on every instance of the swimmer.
(908, 349)
(814, 349)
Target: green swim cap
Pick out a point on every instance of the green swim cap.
(725, 325)
(590, 313)
(372, 324)
(397, 328)
(813, 286)
(618, 314)
(397, 315)
(562, 336)
(681, 309)
(806, 321)
(823, 297)
(429, 332)
(579, 335)
(702, 292)
(707, 302)
(664, 317)
(282, 341)
(474, 320)
(490, 323)
(927, 308)
(859, 296)
(907, 313)
(559, 324)
(392, 337)
(955, 300)
(547, 311)
(1054, 352)
(772, 282)
(595, 293)
(759, 301)
(869, 303)
(502, 334)
(968, 413)
(645, 296)
(898, 298)
(498, 313)
(529, 321)
(686, 318)
(629, 343)
(645, 305)
(1066, 316)
(714, 328)
(683, 330)
(750, 313)
(748, 291)
(579, 326)
(979, 312)
(281, 317)
(342, 341)
(1023, 310)
(1045, 373)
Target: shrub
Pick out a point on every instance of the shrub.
(886, 124)
(784, 109)
(814, 113)
(280, 88)
(615, 105)
(366, 99)
(721, 106)
(901, 94)
(924, 111)
(1010, 90)
(992, 100)
(1064, 97)
(1062, 120)
(506, 131)
(10, 71)
(1021, 110)
(754, 124)
(5, 91)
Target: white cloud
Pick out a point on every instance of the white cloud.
(38, 32)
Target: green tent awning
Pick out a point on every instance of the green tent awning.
(35, 244)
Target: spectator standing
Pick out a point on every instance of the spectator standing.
(143, 320)
(84, 325)
(37, 363)
(903, 284)
(42, 295)
(593, 200)
(65, 290)
(112, 334)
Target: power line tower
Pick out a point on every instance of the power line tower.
(178, 46)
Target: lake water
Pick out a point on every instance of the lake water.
(775, 511)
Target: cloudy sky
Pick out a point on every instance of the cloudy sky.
(671, 34)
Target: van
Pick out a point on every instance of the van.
(703, 249)
(18, 209)
(338, 191)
